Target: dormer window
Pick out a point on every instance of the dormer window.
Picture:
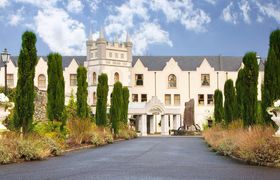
(172, 82)
(205, 79)
(139, 79)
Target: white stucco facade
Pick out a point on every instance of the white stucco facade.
(159, 85)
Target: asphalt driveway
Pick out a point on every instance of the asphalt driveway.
(143, 158)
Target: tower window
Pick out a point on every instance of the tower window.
(73, 79)
(94, 78)
(41, 81)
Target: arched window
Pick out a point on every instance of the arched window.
(116, 77)
(94, 98)
(94, 78)
(41, 81)
(172, 82)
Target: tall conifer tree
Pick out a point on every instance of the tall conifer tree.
(239, 85)
(116, 106)
(271, 88)
(101, 105)
(125, 104)
(230, 102)
(250, 99)
(218, 106)
(56, 88)
(82, 93)
(24, 100)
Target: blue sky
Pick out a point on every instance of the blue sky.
(156, 27)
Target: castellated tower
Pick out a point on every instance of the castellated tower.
(112, 58)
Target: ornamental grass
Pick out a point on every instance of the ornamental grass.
(253, 145)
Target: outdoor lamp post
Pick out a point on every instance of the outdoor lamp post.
(5, 56)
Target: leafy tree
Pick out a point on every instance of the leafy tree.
(250, 99)
(71, 108)
(230, 102)
(56, 86)
(101, 105)
(116, 104)
(271, 88)
(218, 106)
(239, 84)
(125, 92)
(82, 93)
(24, 99)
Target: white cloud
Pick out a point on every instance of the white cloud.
(149, 33)
(3, 3)
(192, 18)
(60, 32)
(259, 19)
(74, 6)
(93, 4)
(16, 18)
(245, 8)
(270, 10)
(40, 3)
(228, 15)
(213, 2)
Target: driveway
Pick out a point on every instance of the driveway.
(143, 158)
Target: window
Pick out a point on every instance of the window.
(116, 55)
(167, 99)
(116, 77)
(210, 99)
(205, 79)
(94, 98)
(110, 54)
(122, 56)
(41, 81)
(177, 99)
(201, 99)
(171, 81)
(134, 97)
(94, 78)
(139, 79)
(73, 79)
(96, 55)
(143, 97)
(10, 80)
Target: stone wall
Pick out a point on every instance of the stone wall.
(40, 113)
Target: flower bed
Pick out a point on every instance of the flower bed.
(255, 146)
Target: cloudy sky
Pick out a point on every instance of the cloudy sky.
(156, 27)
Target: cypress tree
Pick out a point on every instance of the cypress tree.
(56, 86)
(116, 104)
(24, 100)
(218, 106)
(230, 102)
(82, 93)
(125, 92)
(239, 84)
(250, 100)
(271, 88)
(101, 104)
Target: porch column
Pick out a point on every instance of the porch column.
(152, 124)
(176, 121)
(171, 119)
(143, 124)
(164, 125)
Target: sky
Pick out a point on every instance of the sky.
(156, 27)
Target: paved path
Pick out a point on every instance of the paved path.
(143, 158)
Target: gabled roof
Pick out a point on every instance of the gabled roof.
(190, 63)
(66, 60)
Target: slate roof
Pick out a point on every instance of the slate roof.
(190, 63)
(157, 63)
(66, 60)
